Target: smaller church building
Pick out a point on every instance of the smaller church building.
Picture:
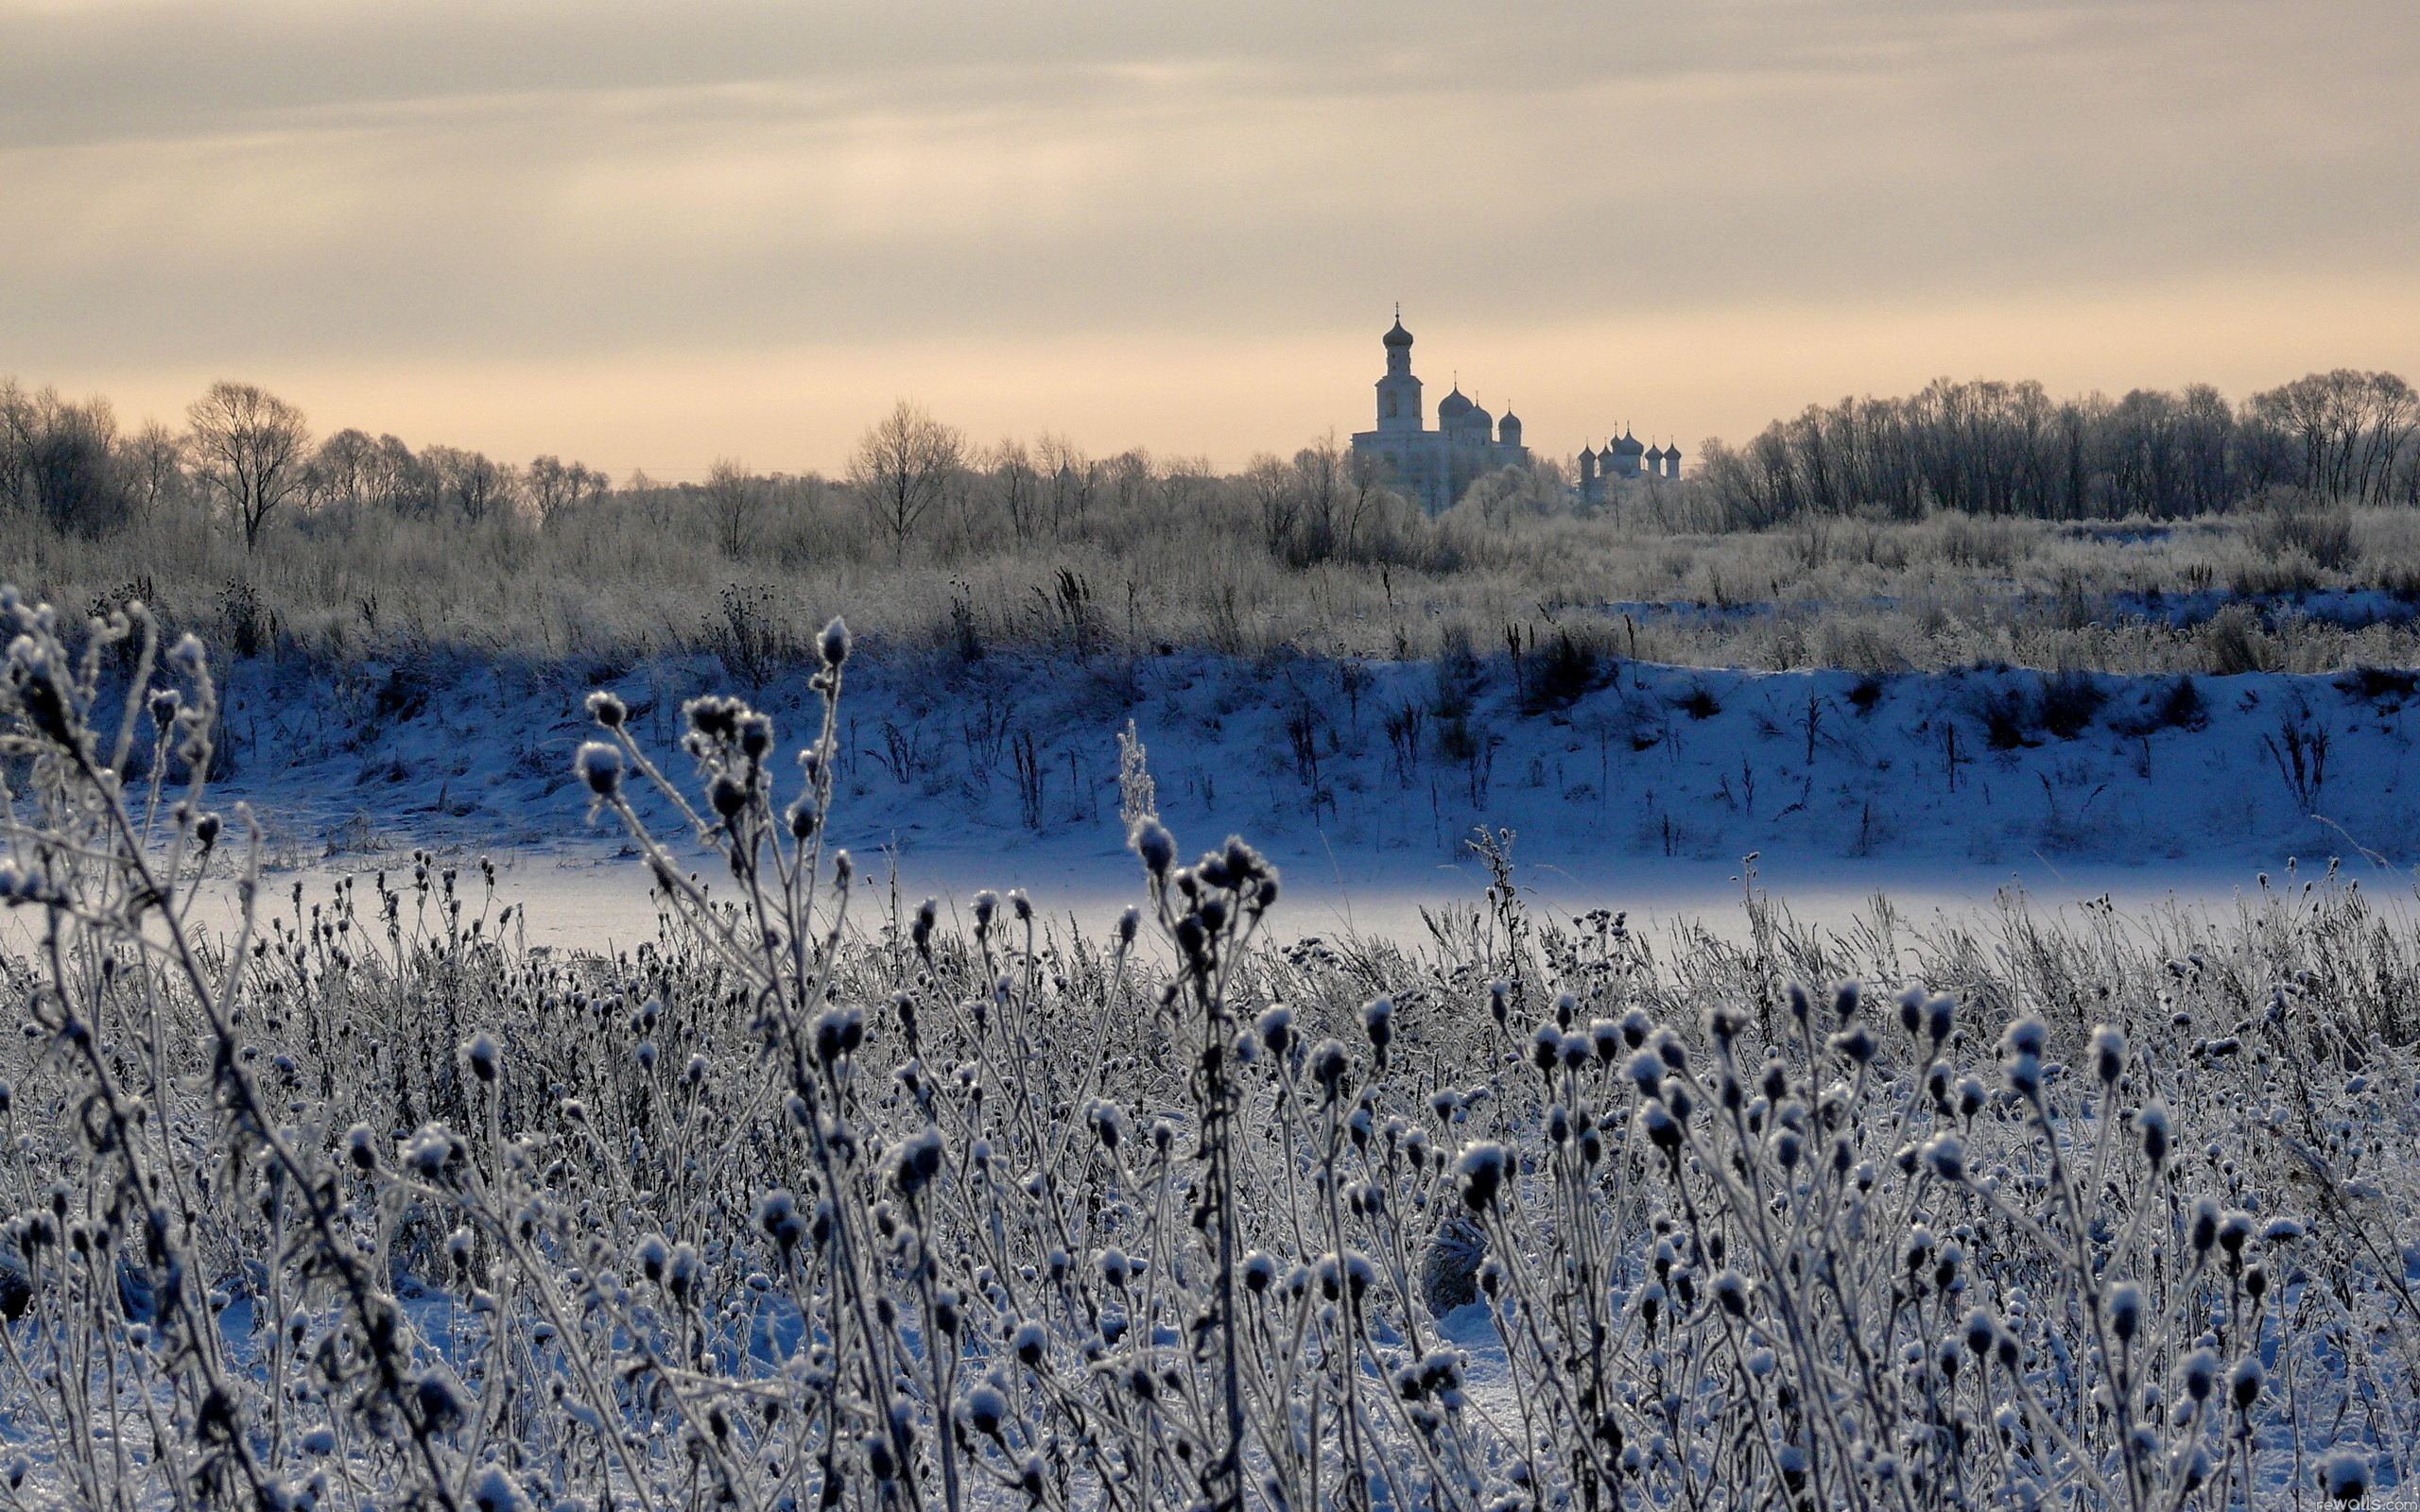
(1621, 462)
(1435, 467)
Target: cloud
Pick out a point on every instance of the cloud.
(600, 186)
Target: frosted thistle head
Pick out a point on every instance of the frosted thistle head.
(1150, 840)
(1982, 1332)
(599, 765)
(1911, 1010)
(1481, 1170)
(1378, 1020)
(915, 1162)
(833, 645)
(1276, 1027)
(2125, 1308)
(2344, 1475)
(1663, 1130)
(2108, 1054)
(984, 1410)
(2028, 1036)
(1945, 1154)
(1330, 1065)
(2244, 1382)
(2152, 1122)
(482, 1055)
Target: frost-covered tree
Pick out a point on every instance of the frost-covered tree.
(341, 470)
(1276, 495)
(248, 449)
(1016, 485)
(74, 465)
(155, 467)
(902, 465)
(16, 440)
(734, 498)
(2349, 427)
(471, 483)
(553, 484)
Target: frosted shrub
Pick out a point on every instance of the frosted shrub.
(359, 1204)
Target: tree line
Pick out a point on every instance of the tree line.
(2010, 449)
(247, 458)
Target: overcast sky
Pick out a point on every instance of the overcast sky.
(650, 234)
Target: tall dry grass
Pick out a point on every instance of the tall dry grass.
(1185, 564)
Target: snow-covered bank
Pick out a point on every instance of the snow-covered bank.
(1365, 779)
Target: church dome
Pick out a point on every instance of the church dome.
(1655, 454)
(1480, 419)
(1397, 337)
(1628, 445)
(1453, 406)
(1508, 429)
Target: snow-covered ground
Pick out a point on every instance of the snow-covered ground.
(1365, 779)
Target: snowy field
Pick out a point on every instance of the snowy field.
(1571, 1168)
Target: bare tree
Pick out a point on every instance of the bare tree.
(1073, 478)
(155, 467)
(248, 449)
(735, 498)
(1131, 475)
(400, 481)
(16, 442)
(1274, 491)
(2301, 409)
(472, 482)
(342, 470)
(902, 466)
(2350, 426)
(2393, 412)
(1318, 474)
(1013, 474)
(1185, 482)
(1365, 479)
(553, 486)
(74, 468)
(486, 486)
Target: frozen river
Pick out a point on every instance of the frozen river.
(590, 901)
(584, 896)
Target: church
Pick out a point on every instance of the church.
(1623, 461)
(1434, 469)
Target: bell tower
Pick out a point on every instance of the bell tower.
(1399, 404)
